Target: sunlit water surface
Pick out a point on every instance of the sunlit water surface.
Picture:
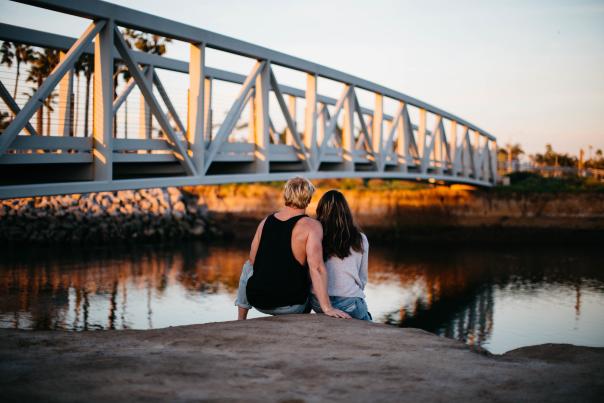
(499, 299)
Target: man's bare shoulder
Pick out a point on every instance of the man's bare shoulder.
(310, 224)
(261, 225)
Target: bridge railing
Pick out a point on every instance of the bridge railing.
(335, 137)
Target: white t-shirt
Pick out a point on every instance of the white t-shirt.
(347, 277)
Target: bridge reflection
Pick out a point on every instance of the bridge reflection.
(450, 293)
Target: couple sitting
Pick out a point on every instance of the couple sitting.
(290, 251)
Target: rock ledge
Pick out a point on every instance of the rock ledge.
(289, 358)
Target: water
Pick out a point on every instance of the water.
(499, 299)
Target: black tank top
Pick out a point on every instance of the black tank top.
(278, 278)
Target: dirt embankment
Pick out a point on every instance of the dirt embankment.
(435, 214)
(301, 358)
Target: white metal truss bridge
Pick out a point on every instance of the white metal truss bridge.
(334, 137)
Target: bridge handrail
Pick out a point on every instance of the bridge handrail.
(47, 40)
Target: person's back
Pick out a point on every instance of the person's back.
(347, 251)
(279, 278)
(285, 257)
(347, 277)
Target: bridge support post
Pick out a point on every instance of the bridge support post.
(452, 143)
(475, 155)
(493, 156)
(252, 117)
(421, 132)
(102, 147)
(65, 102)
(322, 119)
(467, 154)
(377, 133)
(291, 107)
(261, 120)
(310, 121)
(402, 140)
(197, 111)
(145, 112)
(348, 143)
(207, 107)
(439, 145)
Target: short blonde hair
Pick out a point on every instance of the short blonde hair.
(297, 192)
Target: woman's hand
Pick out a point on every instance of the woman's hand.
(336, 313)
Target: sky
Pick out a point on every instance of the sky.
(527, 71)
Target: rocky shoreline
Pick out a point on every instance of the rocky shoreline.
(439, 214)
(105, 217)
(296, 358)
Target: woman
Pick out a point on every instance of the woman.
(345, 250)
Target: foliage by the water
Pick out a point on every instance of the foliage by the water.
(372, 184)
(526, 182)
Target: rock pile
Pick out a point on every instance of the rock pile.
(150, 214)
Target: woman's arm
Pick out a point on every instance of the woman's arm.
(364, 270)
(318, 272)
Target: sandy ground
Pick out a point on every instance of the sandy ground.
(302, 358)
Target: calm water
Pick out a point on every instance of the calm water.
(499, 299)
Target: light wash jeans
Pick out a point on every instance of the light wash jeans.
(242, 301)
(353, 306)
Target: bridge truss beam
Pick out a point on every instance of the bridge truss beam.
(339, 138)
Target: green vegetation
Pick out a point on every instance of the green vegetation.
(528, 182)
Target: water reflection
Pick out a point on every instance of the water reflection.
(498, 299)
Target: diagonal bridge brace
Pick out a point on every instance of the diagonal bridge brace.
(35, 102)
(175, 143)
(14, 108)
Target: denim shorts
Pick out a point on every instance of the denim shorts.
(242, 301)
(353, 306)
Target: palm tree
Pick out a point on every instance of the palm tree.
(20, 53)
(23, 54)
(41, 66)
(49, 104)
(7, 55)
(513, 151)
(120, 70)
(147, 43)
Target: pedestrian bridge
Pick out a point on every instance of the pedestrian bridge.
(223, 115)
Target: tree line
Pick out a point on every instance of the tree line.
(551, 158)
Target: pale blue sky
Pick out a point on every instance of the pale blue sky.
(527, 71)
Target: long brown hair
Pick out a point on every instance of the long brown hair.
(339, 231)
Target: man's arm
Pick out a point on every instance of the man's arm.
(318, 272)
(242, 312)
(256, 241)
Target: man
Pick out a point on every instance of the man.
(286, 248)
